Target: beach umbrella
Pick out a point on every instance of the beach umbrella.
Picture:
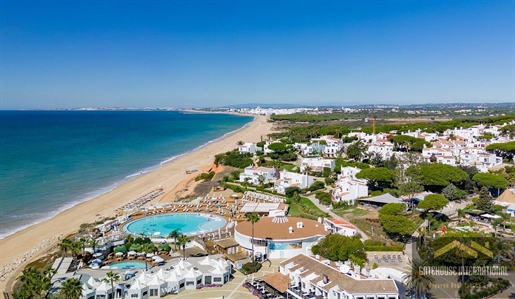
(141, 253)
(121, 249)
(97, 255)
(119, 253)
(96, 261)
(150, 254)
(132, 252)
(135, 247)
(164, 246)
(105, 267)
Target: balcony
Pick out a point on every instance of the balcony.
(297, 293)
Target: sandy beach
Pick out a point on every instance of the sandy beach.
(171, 176)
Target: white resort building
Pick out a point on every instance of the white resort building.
(292, 179)
(316, 164)
(348, 187)
(253, 174)
(312, 277)
(280, 237)
(174, 277)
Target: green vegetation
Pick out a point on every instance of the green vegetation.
(440, 175)
(505, 150)
(407, 143)
(250, 268)
(490, 180)
(418, 281)
(336, 247)
(206, 176)
(316, 186)
(379, 177)
(234, 159)
(304, 208)
(34, 283)
(433, 202)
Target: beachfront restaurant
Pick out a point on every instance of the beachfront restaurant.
(279, 237)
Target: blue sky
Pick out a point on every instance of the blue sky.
(65, 54)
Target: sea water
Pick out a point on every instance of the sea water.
(53, 160)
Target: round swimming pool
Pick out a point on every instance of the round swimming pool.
(187, 223)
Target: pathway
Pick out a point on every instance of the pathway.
(334, 215)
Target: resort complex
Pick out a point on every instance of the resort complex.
(299, 216)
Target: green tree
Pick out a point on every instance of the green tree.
(356, 151)
(417, 280)
(490, 180)
(71, 289)
(397, 226)
(182, 240)
(336, 247)
(410, 189)
(433, 202)
(379, 176)
(485, 202)
(290, 191)
(505, 150)
(441, 175)
(316, 186)
(394, 208)
(35, 284)
(64, 245)
(253, 218)
(174, 234)
(240, 143)
(112, 278)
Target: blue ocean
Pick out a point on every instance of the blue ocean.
(53, 160)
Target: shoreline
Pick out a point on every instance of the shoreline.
(89, 195)
(169, 175)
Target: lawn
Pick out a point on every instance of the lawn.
(306, 209)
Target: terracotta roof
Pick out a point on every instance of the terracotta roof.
(278, 281)
(226, 243)
(266, 228)
(338, 279)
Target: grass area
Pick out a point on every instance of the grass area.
(288, 167)
(351, 212)
(306, 209)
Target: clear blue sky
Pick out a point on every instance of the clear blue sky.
(64, 54)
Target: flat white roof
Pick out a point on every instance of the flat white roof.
(259, 207)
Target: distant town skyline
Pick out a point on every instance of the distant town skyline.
(57, 54)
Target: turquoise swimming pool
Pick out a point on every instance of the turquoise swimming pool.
(187, 223)
(128, 265)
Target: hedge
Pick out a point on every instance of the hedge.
(384, 248)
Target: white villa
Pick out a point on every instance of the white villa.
(460, 152)
(253, 173)
(316, 164)
(313, 149)
(325, 279)
(348, 187)
(340, 226)
(292, 179)
(333, 146)
(249, 147)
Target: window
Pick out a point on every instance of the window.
(145, 293)
(134, 296)
(154, 293)
(181, 285)
(217, 279)
(190, 283)
(207, 280)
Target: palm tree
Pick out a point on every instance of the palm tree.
(183, 240)
(35, 282)
(418, 281)
(240, 143)
(253, 218)
(75, 249)
(71, 289)
(93, 243)
(111, 278)
(64, 245)
(174, 234)
(50, 272)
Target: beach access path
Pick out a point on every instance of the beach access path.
(14, 248)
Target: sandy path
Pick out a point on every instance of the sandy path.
(171, 176)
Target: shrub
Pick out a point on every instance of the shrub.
(250, 268)
(384, 248)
